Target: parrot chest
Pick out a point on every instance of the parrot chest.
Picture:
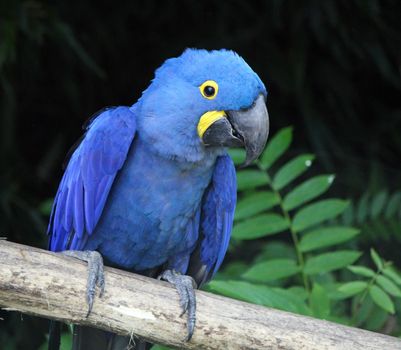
(151, 211)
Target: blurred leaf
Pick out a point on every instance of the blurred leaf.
(258, 294)
(248, 179)
(378, 203)
(330, 261)
(326, 236)
(381, 299)
(376, 258)
(394, 204)
(307, 191)
(348, 215)
(254, 204)
(275, 250)
(276, 147)
(234, 269)
(352, 288)
(364, 311)
(65, 342)
(8, 31)
(393, 274)
(376, 319)
(319, 302)
(260, 226)
(361, 270)
(388, 286)
(332, 289)
(299, 291)
(159, 347)
(271, 270)
(318, 212)
(238, 155)
(292, 170)
(362, 209)
(46, 206)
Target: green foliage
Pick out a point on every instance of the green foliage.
(330, 261)
(377, 215)
(259, 226)
(306, 191)
(271, 270)
(65, 342)
(280, 298)
(382, 286)
(159, 347)
(255, 203)
(276, 147)
(310, 266)
(325, 237)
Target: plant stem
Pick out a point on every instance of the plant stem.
(294, 236)
(362, 297)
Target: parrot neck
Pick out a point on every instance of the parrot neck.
(187, 151)
(193, 158)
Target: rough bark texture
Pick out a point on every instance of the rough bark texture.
(42, 283)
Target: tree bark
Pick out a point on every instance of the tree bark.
(46, 284)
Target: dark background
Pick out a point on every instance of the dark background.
(332, 69)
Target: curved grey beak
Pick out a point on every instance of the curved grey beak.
(252, 126)
(247, 128)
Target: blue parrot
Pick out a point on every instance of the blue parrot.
(151, 189)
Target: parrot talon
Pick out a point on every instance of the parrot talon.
(95, 273)
(185, 286)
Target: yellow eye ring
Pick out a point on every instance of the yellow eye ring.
(209, 89)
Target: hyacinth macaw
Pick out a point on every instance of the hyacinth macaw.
(151, 188)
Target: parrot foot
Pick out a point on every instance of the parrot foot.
(185, 286)
(95, 273)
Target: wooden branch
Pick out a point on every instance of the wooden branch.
(42, 283)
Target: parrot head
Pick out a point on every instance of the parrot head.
(202, 102)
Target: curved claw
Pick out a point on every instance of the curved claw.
(95, 273)
(185, 286)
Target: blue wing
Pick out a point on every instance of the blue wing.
(88, 178)
(217, 215)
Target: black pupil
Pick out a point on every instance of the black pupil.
(209, 91)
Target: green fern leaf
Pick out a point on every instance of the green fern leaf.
(291, 170)
(330, 261)
(260, 226)
(254, 204)
(376, 258)
(381, 299)
(276, 147)
(271, 270)
(307, 191)
(318, 212)
(394, 204)
(249, 179)
(361, 271)
(378, 203)
(326, 237)
(389, 286)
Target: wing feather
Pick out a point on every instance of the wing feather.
(88, 178)
(218, 206)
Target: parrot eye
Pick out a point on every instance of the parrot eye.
(209, 89)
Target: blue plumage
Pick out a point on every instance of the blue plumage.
(142, 188)
(218, 208)
(88, 178)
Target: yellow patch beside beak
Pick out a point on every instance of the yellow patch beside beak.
(208, 119)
